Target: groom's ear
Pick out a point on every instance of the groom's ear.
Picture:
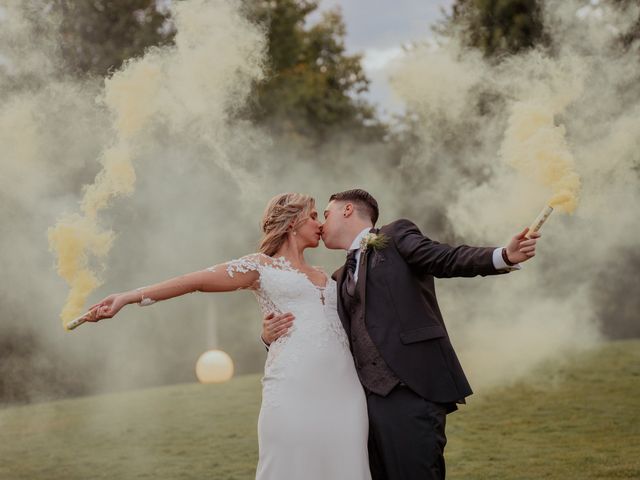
(348, 209)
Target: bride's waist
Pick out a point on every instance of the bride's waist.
(310, 336)
(290, 357)
(305, 311)
(311, 316)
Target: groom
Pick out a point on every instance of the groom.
(401, 348)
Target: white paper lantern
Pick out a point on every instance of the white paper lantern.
(214, 366)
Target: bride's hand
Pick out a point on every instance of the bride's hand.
(107, 308)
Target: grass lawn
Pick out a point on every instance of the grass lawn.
(578, 420)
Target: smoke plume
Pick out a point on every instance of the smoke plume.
(159, 177)
(550, 126)
(184, 89)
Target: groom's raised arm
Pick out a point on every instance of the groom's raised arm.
(442, 260)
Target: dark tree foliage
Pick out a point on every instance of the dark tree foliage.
(632, 35)
(313, 85)
(99, 35)
(497, 27)
(312, 88)
(504, 27)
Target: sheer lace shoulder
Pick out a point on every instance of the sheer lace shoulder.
(254, 262)
(250, 264)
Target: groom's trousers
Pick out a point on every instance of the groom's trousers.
(406, 436)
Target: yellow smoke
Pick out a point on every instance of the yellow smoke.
(77, 238)
(189, 89)
(537, 147)
(73, 239)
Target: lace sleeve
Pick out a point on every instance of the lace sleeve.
(248, 263)
(254, 263)
(234, 275)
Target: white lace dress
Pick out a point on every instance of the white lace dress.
(313, 422)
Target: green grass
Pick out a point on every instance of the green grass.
(580, 420)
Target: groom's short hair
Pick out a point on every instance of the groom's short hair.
(365, 204)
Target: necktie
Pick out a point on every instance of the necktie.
(351, 270)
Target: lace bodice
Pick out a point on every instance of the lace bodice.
(282, 288)
(316, 338)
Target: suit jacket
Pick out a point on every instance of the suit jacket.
(396, 286)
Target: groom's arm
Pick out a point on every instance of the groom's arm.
(442, 260)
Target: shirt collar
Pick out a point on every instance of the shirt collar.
(356, 241)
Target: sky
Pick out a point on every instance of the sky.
(378, 29)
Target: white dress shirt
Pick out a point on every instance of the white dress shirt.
(356, 245)
(498, 261)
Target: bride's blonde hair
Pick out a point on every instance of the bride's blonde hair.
(280, 212)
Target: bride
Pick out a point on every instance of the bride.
(313, 420)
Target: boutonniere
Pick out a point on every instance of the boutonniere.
(377, 241)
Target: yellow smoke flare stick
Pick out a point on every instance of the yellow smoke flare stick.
(76, 322)
(540, 219)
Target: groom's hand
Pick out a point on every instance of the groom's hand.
(520, 248)
(274, 326)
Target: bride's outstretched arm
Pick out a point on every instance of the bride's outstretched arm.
(212, 279)
(219, 278)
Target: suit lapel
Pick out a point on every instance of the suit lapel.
(361, 284)
(338, 276)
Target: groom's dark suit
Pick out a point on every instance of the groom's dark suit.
(401, 347)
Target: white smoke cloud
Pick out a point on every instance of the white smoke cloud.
(506, 326)
(202, 178)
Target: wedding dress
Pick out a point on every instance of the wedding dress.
(313, 423)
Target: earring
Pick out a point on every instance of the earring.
(294, 232)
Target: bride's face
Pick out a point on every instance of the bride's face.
(310, 231)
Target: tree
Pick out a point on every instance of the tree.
(98, 36)
(497, 27)
(312, 89)
(632, 35)
(313, 85)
